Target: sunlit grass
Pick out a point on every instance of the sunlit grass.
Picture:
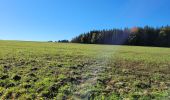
(59, 70)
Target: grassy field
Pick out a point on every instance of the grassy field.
(37, 70)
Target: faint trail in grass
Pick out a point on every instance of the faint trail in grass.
(90, 74)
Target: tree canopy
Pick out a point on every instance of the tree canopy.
(139, 36)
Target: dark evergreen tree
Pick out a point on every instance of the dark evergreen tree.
(146, 36)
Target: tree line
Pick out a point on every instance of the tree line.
(60, 41)
(139, 36)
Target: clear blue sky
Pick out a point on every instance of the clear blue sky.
(42, 20)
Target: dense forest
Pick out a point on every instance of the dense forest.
(139, 36)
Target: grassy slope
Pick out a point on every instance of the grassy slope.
(76, 71)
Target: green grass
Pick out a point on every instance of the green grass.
(39, 70)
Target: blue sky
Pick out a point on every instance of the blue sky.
(43, 20)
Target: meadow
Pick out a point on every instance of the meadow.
(41, 70)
